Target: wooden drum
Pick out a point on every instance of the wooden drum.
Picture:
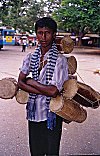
(64, 44)
(81, 93)
(67, 44)
(8, 87)
(68, 109)
(22, 97)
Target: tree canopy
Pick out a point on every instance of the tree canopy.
(20, 14)
(80, 16)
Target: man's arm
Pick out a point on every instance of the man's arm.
(24, 86)
(32, 86)
(48, 90)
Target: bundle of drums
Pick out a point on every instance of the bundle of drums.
(75, 96)
(71, 103)
(9, 89)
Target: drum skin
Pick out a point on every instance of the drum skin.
(8, 88)
(67, 44)
(22, 97)
(64, 44)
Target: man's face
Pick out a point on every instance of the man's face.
(45, 37)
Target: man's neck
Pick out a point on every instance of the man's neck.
(44, 50)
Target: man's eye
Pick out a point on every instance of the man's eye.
(40, 33)
(47, 32)
(43, 33)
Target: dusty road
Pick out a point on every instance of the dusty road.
(77, 139)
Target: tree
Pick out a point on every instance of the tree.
(79, 15)
(50, 6)
(24, 16)
(3, 10)
(21, 14)
(10, 12)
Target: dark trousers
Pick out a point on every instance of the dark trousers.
(23, 48)
(44, 141)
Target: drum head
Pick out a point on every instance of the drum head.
(72, 65)
(7, 89)
(56, 103)
(67, 44)
(22, 97)
(11, 79)
(70, 88)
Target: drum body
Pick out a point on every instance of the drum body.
(68, 109)
(81, 93)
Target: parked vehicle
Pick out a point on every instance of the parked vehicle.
(6, 36)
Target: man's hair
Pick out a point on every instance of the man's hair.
(46, 22)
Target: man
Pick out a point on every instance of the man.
(24, 44)
(49, 70)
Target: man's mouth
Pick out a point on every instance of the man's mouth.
(43, 41)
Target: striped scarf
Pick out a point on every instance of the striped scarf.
(34, 66)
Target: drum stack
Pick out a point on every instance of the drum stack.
(65, 46)
(75, 96)
(73, 99)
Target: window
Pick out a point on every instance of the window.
(8, 33)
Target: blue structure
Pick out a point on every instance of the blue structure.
(7, 37)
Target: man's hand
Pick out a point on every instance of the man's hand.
(30, 81)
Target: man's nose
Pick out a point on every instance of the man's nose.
(44, 35)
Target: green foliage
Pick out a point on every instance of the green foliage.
(21, 14)
(77, 15)
(51, 6)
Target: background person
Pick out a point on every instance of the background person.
(49, 70)
(24, 44)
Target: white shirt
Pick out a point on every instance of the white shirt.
(59, 76)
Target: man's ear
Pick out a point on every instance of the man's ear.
(54, 35)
